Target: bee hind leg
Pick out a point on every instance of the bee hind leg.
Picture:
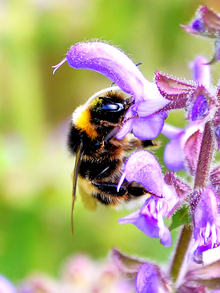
(107, 192)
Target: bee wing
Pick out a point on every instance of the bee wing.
(89, 202)
(79, 154)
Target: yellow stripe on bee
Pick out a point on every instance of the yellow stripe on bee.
(82, 121)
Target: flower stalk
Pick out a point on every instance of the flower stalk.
(201, 181)
(205, 157)
(181, 252)
(193, 206)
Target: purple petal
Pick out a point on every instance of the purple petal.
(207, 209)
(149, 219)
(198, 25)
(171, 131)
(206, 224)
(165, 237)
(174, 155)
(148, 128)
(154, 102)
(147, 280)
(111, 62)
(117, 66)
(127, 126)
(201, 71)
(143, 167)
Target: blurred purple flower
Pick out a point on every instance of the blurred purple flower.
(114, 64)
(148, 281)
(206, 23)
(6, 286)
(206, 224)
(144, 168)
(201, 71)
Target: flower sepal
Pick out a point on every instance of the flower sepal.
(206, 23)
(174, 90)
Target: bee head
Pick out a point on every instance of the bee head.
(110, 106)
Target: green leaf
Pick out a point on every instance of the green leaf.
(181, 217)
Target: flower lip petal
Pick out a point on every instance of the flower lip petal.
(143, 167)
(148, 128)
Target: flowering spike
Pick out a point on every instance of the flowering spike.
(58, 65)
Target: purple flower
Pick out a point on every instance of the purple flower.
(206, 224)
(200, 108)
(206, 23)
(144, 168)
(148, 280)
(114, 64)
(201, 71)
(174, 153)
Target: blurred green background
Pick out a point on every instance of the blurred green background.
(35, 167)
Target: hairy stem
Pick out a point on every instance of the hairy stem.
(201, 180)
(205, 157)
(180, 253)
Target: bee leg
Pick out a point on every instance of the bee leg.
(127, 190)
(135, 143)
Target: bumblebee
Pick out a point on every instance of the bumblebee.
(99, 155)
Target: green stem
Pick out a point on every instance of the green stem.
(180, 253)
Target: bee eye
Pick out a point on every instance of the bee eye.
(109, 106)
